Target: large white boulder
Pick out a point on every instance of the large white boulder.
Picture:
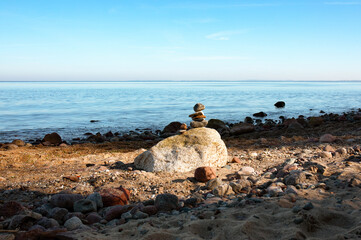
(195, 148)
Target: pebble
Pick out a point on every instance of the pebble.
(325, 154)
(126, 215)
(140, 215)
(308, 206)
(284, 203)
(58, 214)
(97, 198)
(246, 171)
(298, 220)
(327, 138)
(48, 222)
(223, 190)
(73, 223)
(93, 218)
(85, 206)
(166, 202)
(65, 200)
(296, 209)
(236, 160)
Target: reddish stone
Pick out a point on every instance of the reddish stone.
(150, 210)
(204, 174)
(236, 160)
(10, 209)
(72, 178)
(199, 117)
(115, 196)
(183, 126)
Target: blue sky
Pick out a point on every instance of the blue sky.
(180, 40)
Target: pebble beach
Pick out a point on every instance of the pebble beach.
(288, 179)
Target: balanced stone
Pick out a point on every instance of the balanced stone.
(196, 124)
(196, 114)
(199, 107)
(198, 118)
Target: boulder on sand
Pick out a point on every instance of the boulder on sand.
(195, 148)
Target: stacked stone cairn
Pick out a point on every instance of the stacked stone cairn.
(198, 117)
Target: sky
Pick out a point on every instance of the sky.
(116, 40)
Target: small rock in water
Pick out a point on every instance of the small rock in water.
(280, 104)
(260, 114)
(204, 174)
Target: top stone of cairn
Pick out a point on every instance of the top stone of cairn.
(199, 107)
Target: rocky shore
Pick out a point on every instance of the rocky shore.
(288, 179)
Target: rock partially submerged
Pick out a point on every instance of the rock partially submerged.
(195, 148)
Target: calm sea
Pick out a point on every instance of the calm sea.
(29, 110)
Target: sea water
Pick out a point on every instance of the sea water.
(29, 110)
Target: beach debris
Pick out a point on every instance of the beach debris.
(198, 117)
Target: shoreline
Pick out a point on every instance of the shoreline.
(300, 187)
(145, 133)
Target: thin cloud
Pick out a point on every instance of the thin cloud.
(224, 35)
(342, 3)
(207, 5)
(211, 58)
(195, 21)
